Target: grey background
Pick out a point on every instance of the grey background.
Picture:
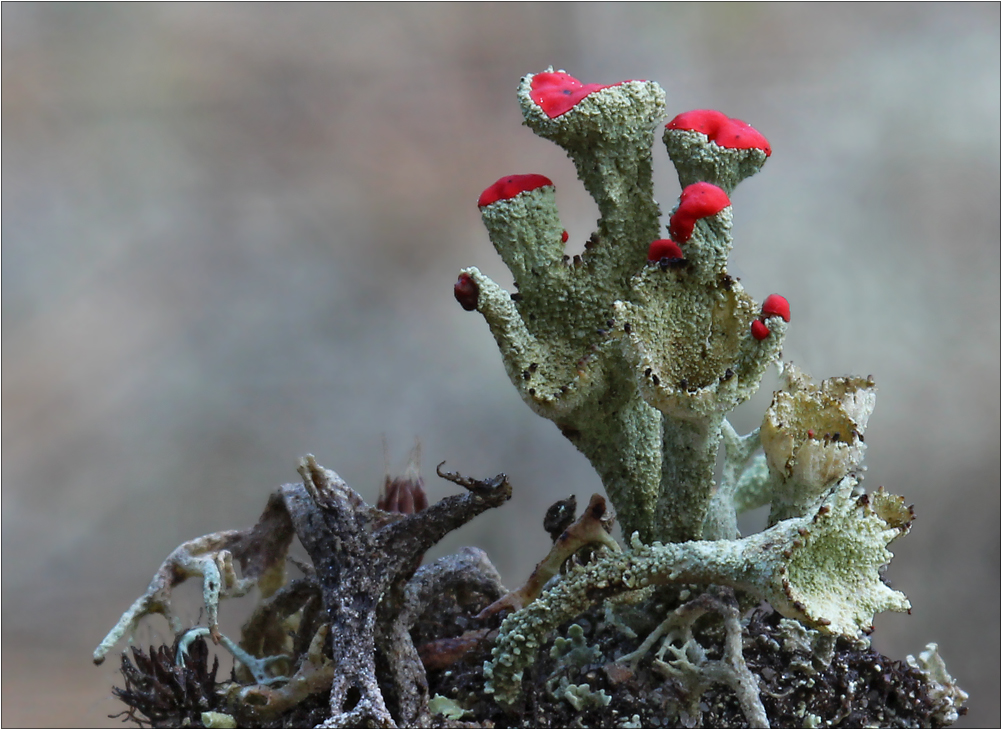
(230, 234)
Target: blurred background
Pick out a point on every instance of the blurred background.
(230, 234)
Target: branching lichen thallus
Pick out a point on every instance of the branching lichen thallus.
(639, 347)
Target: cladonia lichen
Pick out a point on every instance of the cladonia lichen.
(637, 350)
(637, 360)
(447, 707)
(573, 652)
(823, 570)
(581, 696)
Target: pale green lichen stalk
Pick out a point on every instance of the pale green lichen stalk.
(637, 350)
(636, 362)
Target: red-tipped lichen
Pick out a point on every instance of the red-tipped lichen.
(696, 201)
(759, 330)
(664, 249)
(556, 92)
(721, 129)
(466, 292)
(776, 305)
(510, 186)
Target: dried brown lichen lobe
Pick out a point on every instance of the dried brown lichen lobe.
(813, 436)
(635, 359)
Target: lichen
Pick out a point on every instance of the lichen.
(947, 696)
(812, 649)
(213, 719)
(824, 571)
(812, 437)
(260, 551)
(636, 361)
(633, 722)
(447, 707)
(573, 652)
(690, 665)
(581, 696)
(637, 350)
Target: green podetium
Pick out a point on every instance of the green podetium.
(639, 348)
(636, 359)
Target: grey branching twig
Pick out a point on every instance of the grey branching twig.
(363, 561)
(259, 550)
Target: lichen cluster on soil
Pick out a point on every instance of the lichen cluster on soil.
(858, 688)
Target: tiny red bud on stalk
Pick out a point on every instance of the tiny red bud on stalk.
(775, 305)
(759, 330)
(466, 292)
(697, 201)
(664, 249)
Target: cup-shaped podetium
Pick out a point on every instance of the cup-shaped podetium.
(706, 145)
